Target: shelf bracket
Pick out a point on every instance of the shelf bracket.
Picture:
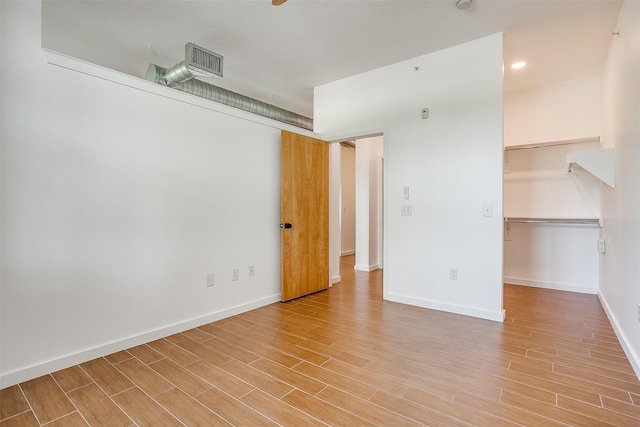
(599, 163)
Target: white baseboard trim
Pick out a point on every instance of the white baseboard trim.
(34, 371)
(367, 268)
(345, 253)
(497, 316)
(335, 279)
(551, 285)
(633, 357)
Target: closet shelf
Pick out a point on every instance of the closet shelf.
(551, 144)
(569, 221)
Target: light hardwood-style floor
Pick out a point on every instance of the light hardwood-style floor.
(345, 357)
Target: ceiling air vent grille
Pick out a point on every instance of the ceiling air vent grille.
(203, 62)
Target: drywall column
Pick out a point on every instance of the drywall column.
(452, 161)
(367, 182)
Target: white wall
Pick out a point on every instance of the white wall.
(554, 112)
(619, 267)
(368, 183)
(116, 203)
(452, 162)
(348, 200)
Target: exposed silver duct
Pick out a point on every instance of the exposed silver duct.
(349, 144)
(159, 75)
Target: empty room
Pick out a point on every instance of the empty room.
(172, 210)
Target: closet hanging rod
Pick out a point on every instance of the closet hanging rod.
(551, 144)
(573, 221)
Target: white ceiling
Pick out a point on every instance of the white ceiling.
(279, 54)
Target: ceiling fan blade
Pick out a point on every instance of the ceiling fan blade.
(277, 2)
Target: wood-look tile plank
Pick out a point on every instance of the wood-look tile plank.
(97, 408)
(12, 402)
(232, 410)
(197, 334)
(602, 415)
(106, 376)
(509, 413)
(204, 352)
(336, 380)
(550, 411)
(413, 411)
(624, 408)
(576, 382)
(257, 378)
(222, 379)
(588, 364)
(629, 384)
(72, 420)
(46, 398)
(143, 410)
(278, 411)
(332, 353)
(544, 384)
(180, 377)
(173, 352)
(274, 332)
(247, 333)
(146, 354)
(291, 377)
(25, 419)
(296, 351)
(370, 378)
(244, 321)
(307, 334)
(144, 377)
(454, 409)
(176, 338)
(259, 348)
(231, 350)
(619, 361)
(364, 409)
(189, 411)
(118, 357)
(323, 411)
(71, 378)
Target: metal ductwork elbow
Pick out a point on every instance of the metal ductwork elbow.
(199, 61)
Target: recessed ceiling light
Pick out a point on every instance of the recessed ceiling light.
(517, 65)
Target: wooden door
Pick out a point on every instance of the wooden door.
(304, 215)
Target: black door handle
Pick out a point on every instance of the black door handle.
(286, 225)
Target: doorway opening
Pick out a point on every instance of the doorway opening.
(360, 225)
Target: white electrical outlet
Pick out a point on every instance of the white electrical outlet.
(487, 210)
(235, 274)
(210, 281)
(252, 270)
(453, 274)
(406, 210)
